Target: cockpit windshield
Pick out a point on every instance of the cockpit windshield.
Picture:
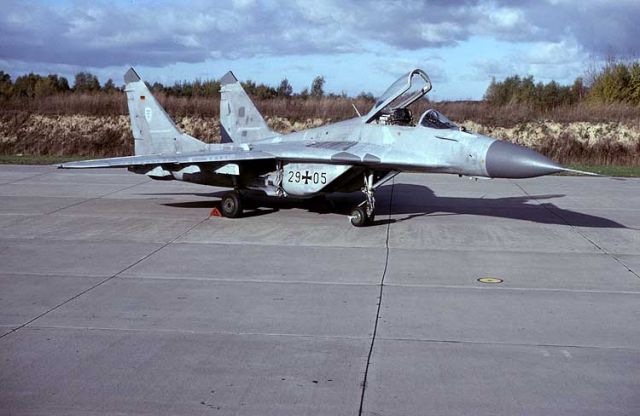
(402, 93)
(436, 120)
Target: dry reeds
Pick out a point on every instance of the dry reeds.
(294, 108)
(327, 108)
(97, 124)
(509, 116)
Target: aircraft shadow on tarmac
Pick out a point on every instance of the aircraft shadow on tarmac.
(416, 201)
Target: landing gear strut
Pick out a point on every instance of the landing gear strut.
(231, 204)
(364, 214)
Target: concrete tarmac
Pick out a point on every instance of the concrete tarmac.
(120, 295)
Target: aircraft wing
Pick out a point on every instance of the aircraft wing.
(177, 159)
(304, 151)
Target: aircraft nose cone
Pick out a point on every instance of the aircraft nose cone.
(508, 160)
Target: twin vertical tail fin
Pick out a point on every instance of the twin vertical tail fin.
(155, 133)
(240, 120)
(153, 130)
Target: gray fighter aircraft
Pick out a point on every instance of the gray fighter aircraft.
(357, 154)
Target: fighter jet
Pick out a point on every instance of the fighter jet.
(359, 154)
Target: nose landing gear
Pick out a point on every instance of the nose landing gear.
(364, 213)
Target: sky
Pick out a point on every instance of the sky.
(358, 46)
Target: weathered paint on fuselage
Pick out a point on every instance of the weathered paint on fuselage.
(398, 148)
(406, 148)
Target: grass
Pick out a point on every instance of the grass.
(38, 159)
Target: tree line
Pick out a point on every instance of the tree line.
(199, 88)
(36, 86)
(616, 82)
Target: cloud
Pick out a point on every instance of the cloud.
(561, 61)
(601, 28)
(158, 33)
(155, 34)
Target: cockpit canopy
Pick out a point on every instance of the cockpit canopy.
(436, 120)
(402, 93)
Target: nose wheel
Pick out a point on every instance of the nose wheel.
(360, 218)
(364, 214)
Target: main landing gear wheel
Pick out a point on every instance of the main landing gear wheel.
(231, 205)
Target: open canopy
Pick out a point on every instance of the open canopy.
(402, 93)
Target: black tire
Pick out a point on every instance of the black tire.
(231, 205)
(358, 217)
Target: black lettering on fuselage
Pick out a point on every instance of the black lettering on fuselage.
(306, 177)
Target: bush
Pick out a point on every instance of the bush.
(524, 91)
(617, 82)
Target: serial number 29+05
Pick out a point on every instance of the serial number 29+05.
(306, 177)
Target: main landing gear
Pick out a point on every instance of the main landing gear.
(231, 205)
(364, 213)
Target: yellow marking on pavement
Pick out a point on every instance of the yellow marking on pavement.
(490, 280)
